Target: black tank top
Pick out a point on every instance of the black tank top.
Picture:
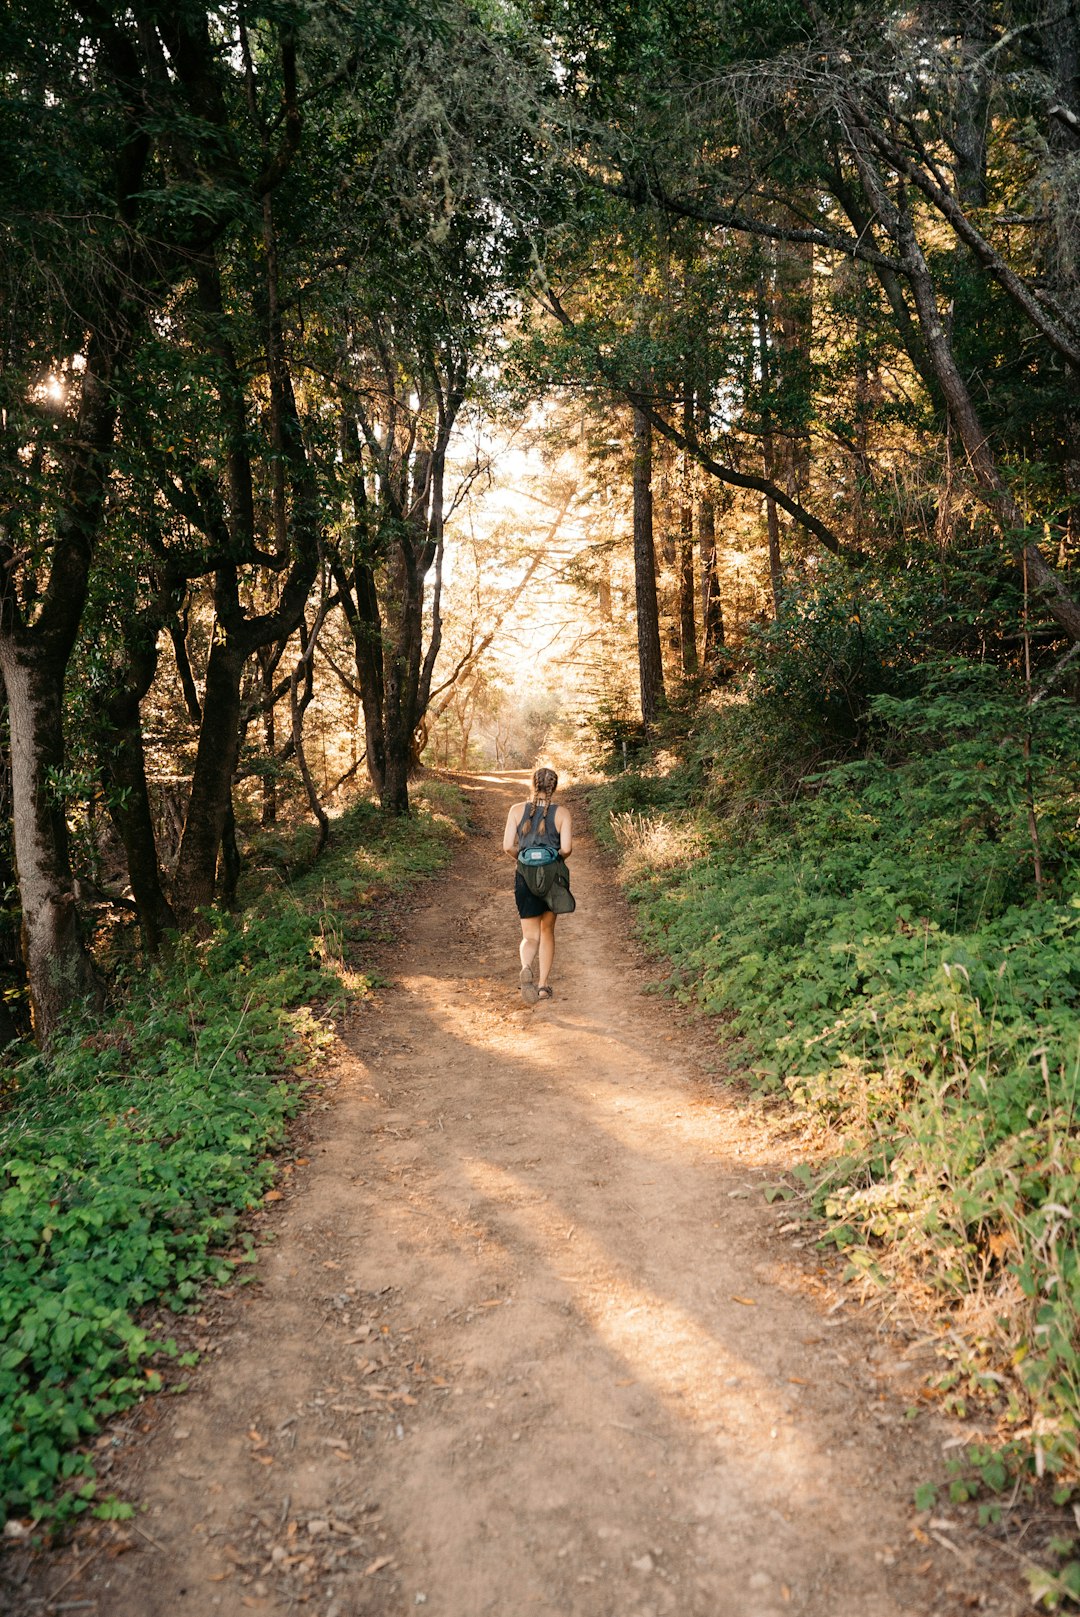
(549, 837)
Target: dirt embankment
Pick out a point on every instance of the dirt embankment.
(529, 1338)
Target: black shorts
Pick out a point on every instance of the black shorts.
(528, 905)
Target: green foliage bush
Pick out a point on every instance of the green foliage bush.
(882, 948)
(841, 640)
(129, 1156)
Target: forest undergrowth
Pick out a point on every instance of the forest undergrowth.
(131, 1157)
(892, 939)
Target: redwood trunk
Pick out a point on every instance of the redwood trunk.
(650, 663)
(687, 615)
(712, 608)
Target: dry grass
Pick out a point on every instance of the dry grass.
(656, 842)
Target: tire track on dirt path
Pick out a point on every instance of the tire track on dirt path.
(527, 1341)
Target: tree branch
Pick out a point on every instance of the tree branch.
(725, 474)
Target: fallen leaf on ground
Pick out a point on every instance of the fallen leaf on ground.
(274, 1196)
(747, 1302)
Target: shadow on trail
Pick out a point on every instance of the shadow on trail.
(562, 1211)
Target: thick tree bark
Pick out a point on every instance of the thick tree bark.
(122, 761)
(12, 965)
(793, 327)
(128, 797)
(296, 713)
(712, 608)
(58, 968)
(34, 662)
(768, 450)
(229, 860)
(211, 782)
(966, 127)
(687, 614)
(650, 663)
(267, 665)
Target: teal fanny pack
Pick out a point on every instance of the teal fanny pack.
(538, 854)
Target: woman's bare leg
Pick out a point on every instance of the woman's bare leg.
(530, 940)
(547, 946)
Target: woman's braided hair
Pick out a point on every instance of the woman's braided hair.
(544, 784)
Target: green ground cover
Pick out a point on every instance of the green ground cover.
(129, 1157)
(879, 944)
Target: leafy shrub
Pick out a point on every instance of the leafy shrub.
(884, 950)
(128, 1158)
(841, 639)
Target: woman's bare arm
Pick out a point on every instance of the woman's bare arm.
(513, 820)
(564, 826)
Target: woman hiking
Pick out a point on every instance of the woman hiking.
(539, 824)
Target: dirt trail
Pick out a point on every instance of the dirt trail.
(530, 1339)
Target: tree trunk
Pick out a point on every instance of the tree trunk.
(122, 762)
(768, 450)
(394, 795)
(793, 323)
(211, 784)
(687, 616)
(229, 860)
(397, 728)
(650, 664)
(386, 612)
(303, 670)
(34, 664)
(361, 604)
(776, 574)
(966, 128)
(992, 488)
(12, 965)
(712, 608)
(124, 769)
(269, 779)
(59, 970)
